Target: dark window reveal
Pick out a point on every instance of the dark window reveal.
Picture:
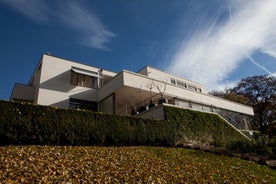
(83, 104)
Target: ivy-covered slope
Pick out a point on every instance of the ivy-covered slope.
(199, 128)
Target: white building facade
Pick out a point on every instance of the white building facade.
(67, 84)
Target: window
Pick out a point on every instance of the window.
(192, 87)
(181, 84)
(173, 81)
(82, 104)
(79, 79)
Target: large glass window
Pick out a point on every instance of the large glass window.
(82, 104)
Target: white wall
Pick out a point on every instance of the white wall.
(208, 99)
(140, 81)
(111, 86)
(55, 83)
(143, 71)
(166, 77)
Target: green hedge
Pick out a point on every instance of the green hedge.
(201, 128)
(25, 124)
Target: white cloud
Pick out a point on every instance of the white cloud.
(211, 54)
(76, 17)
(91, 31)
(225, 85)
(270, 48)
(273, 74)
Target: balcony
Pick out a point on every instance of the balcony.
(23, 93)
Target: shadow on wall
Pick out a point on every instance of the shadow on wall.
(61, 104)
(61, 82)
(90, 95)
(87, 95)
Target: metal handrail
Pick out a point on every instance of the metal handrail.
(144, 105)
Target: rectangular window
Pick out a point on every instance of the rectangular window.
(74, 78)
(172, 81)
(83, 104)
(181, 84)
(79, 79)
(192, 87)
(87, 81)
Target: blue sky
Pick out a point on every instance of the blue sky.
(214, 42)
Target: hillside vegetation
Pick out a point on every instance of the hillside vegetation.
(27, 124)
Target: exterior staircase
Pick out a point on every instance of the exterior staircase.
(247, 137)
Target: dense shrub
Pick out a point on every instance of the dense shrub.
(202, 127)
(25, 124)
(261, 145)
(272, 144)
(241, 147)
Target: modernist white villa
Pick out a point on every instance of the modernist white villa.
(67, 84)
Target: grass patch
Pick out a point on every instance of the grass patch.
(76, 164)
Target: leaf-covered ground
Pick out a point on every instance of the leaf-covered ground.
(66, 164)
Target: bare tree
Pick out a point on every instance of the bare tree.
(261, 92)
(161, 87)
(229, 95)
